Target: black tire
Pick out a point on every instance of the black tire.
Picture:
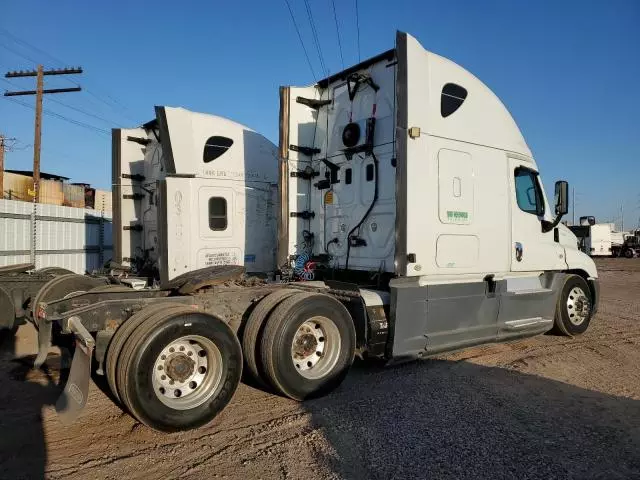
(121, 335)
(628, 253)
(143, 349)
(574, 309)
(282, 371)
(253, 331)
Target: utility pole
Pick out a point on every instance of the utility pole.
(37, 137)
(573, 204)
(1, 166)
(5, 146)
(39, 92)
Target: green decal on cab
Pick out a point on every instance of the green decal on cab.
(456, 216)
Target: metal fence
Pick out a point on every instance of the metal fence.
(50, 235)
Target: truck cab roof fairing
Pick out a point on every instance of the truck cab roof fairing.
(187, 134)
(481, 119)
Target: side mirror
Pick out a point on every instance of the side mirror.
(562, 198)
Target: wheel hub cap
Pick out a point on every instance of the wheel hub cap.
(187, 372)
(578, 306)
(315, 347)
(305, 345)
(180, 367)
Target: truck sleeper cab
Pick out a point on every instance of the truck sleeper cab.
(412, 221)
(192, 190)
(439, 196)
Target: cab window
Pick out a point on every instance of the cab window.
(528, 192)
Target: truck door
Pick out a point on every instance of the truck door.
(220, 238)
(532, 250)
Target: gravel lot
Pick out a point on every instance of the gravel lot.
(547, 407)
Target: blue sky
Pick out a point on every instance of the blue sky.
(569, 72)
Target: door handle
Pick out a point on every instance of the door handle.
(519, 251)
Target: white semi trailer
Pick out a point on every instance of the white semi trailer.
(412, 221)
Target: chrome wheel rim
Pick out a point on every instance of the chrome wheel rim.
(315, 348)
(187, 372)
(578, 306)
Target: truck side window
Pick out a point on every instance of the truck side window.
(218, 213)
(528, 193)
(453, 96)
(215, 147)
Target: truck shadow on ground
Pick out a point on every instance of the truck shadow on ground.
(444, 419)
(24, 394)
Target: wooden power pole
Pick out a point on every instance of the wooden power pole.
(1, 166)
(6, 145)
(39, 92)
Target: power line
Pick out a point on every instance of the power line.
(335, 17)
(306, 54)
(16, 52)
(30, 46)
(9, 82)
(61, 117)
(79, 110)
(314, 35)
(71, 107)
(358, 29)
(113, 104)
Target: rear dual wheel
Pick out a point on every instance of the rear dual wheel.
(254, 328)
(306, 345)
(174, 368)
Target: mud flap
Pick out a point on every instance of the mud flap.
(76, 391)
(44, 342)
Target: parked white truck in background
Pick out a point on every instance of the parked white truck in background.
(595, 239)
(220, 180)
(409, 196)
(602, 239)
(222, 209)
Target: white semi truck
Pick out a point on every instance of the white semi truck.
(411, 221)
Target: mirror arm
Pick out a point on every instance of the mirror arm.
(548, 226)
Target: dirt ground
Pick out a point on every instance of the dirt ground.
(547, 407)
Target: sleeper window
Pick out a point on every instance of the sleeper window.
(217, 213)
(453, 96)
(528, 192)
(215, 147)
